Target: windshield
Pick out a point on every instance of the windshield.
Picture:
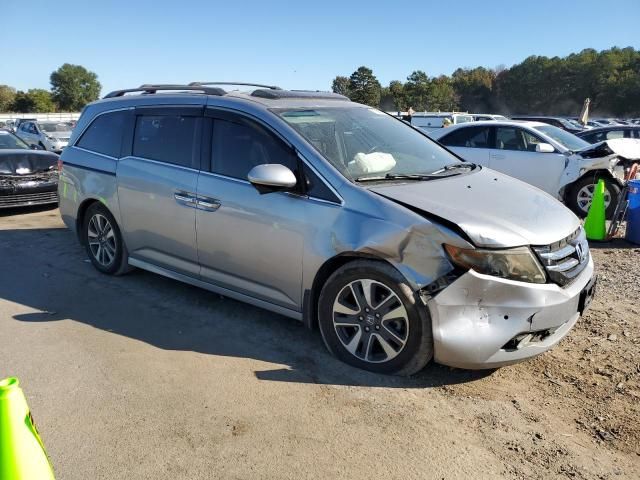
(564, 138)
(362, 142)
(10, 141)
(54, 127)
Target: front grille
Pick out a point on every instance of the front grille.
(25, 199)
(565, 259)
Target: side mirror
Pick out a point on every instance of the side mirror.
(272, 177)
(35, 147)
(545, 148)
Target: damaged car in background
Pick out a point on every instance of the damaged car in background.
(27, 176)
(332, 213)
(547, 157)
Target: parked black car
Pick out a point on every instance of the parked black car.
(596, 135)
(27, 176)
(559, 122)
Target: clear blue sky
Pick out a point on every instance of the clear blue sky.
(305, 46)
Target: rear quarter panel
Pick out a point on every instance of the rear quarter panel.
(86, 176)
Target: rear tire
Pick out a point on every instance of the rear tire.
(103, 241)
(370, 318)
(581, 192)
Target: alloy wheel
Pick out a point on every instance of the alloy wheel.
(585, 196)
(102, 239)
(370, 321)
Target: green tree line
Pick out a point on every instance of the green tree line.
(72, 87)
(538, 85)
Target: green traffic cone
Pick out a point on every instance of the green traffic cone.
(595, 225)
(22, 454)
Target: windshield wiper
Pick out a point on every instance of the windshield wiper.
(455, 166)
(398, 176)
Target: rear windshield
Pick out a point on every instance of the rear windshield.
(361, 141)
(564, 138)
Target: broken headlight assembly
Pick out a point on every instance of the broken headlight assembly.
(513, 263)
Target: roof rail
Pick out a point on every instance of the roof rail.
(153, 88)
(270, 87)
(297, 94)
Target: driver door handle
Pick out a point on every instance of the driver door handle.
(183, 198)
(208, 204)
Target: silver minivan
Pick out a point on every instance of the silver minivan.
(332, 213)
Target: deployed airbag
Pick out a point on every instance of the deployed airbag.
(375, 162)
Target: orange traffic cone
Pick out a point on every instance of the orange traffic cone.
(595, 224)
(22, 454)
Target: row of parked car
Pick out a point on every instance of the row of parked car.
(44, 134)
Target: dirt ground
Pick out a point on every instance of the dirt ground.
(143, 377)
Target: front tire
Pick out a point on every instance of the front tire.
(370, 318)
(581, 194)
(103, 241)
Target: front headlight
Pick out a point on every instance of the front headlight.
(512, 263)
(52, 139)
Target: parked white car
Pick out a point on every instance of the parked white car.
(547, 157)
(429, 121)
(48, 135)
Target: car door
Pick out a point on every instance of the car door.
(514, 153)
(249, 242)
(157, 183)
(470, 143)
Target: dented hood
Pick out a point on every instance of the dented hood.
(494, 210)
(628, 148)
(26, 162)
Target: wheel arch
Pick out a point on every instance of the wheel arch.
(595, 174)
(311, 296)
(82, 210)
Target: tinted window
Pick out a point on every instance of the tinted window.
(591, 138)
(316, 187)
(472, 137)
(238, 147)
(611, 134)
(509, 138)
(104, 135)
(167, 138)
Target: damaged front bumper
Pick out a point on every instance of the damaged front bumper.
(28, 190)
(481, 321)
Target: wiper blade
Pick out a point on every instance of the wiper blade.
(398, 176)
(455, 166)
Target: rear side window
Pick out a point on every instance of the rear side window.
(471, 137)
(613, 134)
(104, 135)
(238, 147)
(166, 138)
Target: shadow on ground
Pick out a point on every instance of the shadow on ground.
(10, 212)
(51, 275)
